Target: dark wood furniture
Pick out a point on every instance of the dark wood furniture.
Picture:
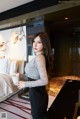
(63, 106)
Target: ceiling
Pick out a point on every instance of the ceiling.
(59, 17)
(65, 9)
(9, 4)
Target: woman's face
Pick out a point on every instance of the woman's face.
(37, 45)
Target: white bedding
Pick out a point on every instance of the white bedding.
(7, 86)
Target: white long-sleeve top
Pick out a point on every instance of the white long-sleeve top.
(36, 69)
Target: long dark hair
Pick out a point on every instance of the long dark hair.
(47, 50)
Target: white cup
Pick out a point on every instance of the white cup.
(15, 79)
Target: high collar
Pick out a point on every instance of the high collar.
(39, 53)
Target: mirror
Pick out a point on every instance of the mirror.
(16, 49)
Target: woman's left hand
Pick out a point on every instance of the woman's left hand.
(21, 84)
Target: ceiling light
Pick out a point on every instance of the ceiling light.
(66, 18)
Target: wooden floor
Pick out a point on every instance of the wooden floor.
(56, 83)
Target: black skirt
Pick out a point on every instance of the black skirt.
(39, 101)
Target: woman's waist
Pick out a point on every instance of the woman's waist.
(33, 77)
(37, 87)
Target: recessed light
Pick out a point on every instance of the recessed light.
(66, 18)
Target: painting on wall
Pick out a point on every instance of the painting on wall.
(13, 43)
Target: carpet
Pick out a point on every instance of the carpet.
(15, 108)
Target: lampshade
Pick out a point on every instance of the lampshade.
(17, 48)
(2, 54)
(2, 46)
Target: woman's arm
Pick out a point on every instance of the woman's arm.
(41, 66)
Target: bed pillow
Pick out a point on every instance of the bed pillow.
(13, 67)
(3, 66)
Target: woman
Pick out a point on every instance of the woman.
(37, 73)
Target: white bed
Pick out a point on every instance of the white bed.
(8, 70)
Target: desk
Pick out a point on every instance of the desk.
(64, 104)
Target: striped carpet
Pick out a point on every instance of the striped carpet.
(15, 108)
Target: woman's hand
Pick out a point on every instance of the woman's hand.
(21, 84)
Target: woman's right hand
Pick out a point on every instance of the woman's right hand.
(21, 84)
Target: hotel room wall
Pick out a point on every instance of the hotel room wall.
(65, 41)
